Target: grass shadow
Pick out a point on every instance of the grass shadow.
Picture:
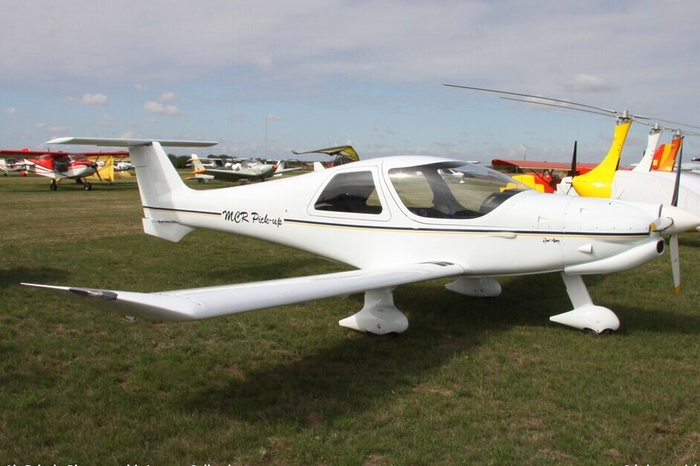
(325, 384)
(17, 275)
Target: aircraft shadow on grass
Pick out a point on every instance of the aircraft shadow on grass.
(364, 372)
(12, 277)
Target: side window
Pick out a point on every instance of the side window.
(352, 192)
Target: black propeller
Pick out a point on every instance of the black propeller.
(572, 173)
(673, 240)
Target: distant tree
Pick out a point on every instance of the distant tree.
(178, 161)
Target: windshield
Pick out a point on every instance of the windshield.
(452, 189)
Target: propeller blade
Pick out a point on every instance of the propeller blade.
(675, 263)
(677, 184)
(573, 161)
(673, 240)
(96, 167)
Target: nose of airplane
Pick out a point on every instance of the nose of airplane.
(677, 219)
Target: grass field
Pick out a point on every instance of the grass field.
(471, 382)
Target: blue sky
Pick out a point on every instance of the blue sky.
(267, 77)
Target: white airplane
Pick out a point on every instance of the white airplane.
(280, 169)
(248, 170)
(400, 222)
(10, 165)
(123, 166)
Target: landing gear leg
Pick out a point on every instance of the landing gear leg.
(379, 315)
(585, 315)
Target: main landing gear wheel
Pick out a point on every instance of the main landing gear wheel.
(585, 316)
(88, 186)
(53, 186)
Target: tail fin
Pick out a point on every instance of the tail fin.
(648, 157)
(196, 163)
(665, 156)
(598, 182)
(159, 183)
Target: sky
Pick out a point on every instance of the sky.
(264, 78)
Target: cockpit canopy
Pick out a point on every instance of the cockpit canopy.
(446, 190)
(452, 190)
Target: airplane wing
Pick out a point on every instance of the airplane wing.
(116, 142)
(27, 152)
(204, 303)
(345, 154)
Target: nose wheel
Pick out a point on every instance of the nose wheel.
(585, 316)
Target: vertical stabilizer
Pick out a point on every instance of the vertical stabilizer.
(665, 156)
(159, 182)
(653, 142)
(162, 191)
(598, 182)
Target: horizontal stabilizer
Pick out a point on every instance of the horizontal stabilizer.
(170, 231)
(126, 142)
(204, 303)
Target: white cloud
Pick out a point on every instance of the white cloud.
(160, 109)
(94, 99)
(586, 83)
(11, 110)
(374, 60)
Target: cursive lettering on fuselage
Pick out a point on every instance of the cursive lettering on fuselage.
(240, 216)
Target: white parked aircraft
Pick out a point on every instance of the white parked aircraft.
(10, 165)
(248, 170)
(399, 221)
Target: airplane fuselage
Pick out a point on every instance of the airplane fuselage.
(527, 232)
(68, 169)
(399, 220)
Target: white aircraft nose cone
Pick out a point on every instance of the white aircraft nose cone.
(682, 219)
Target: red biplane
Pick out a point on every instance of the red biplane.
(544, 174)
(59, 165)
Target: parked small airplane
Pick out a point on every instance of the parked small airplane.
(543, 176)
(123, 166)
(58, 166)
(281, 169)
(247, 170)
(400, 222)
(9, 166)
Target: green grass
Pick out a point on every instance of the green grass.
(471, 382)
